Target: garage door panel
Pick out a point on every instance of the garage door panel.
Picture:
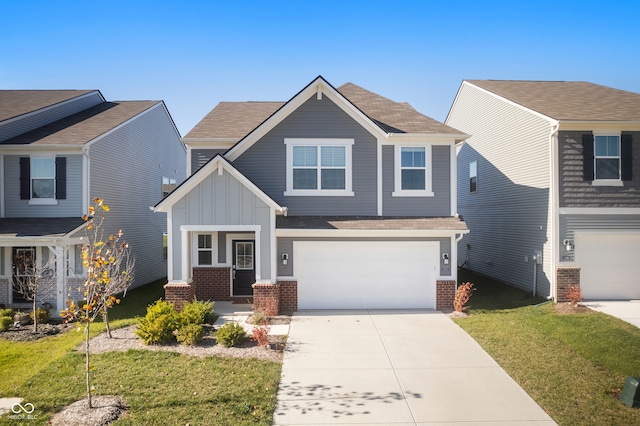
(609, 266)
(346, 275)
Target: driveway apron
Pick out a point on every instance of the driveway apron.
(413, 367)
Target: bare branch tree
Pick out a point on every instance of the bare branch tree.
(32, 279)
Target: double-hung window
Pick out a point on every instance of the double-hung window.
(473, 176)
(205, 249)
(413, 171)
(319, 166)
(168, 185)
(607, 157)
(43, 179)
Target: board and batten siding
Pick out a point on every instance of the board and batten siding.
(199, 157)
(509, 215)
(29, 122)
(221, 200)
(69, 207)
(576, 192)
(126, 170)
(437, 206)
(285, 245)
(264, 163)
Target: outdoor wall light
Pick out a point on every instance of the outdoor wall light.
(285, 258)
(568, 245)
(445, 258)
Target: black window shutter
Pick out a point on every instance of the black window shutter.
(587, 156)
(626, 151)
(25, 178)
(61, 178)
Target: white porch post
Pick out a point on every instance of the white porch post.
(61, 276)
(184, 255)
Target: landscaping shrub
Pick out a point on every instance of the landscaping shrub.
(197, 312)
(258, 317)
(463, 294)
(261, 334)
(5, 322)
(42, 315)
(230, 334)
(159, 323)
(6, 313)
(190, 334)
(574, 295)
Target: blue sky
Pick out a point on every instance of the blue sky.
(194, 54)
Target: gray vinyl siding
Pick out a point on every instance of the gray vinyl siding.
(199, 157)
(41, 118)
(127, 166)
(576, 192)
(285, 245)
(509, 215)
(571, 223)
(264, 163)
(222, 200)
(15, 207)
(438, 206)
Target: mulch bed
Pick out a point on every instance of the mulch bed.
(568, 308)
(25, 333)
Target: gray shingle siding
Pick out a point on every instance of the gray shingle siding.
(200, 156)
(576, 192)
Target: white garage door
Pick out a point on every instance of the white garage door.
(609, 266)
(365, 275)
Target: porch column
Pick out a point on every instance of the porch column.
(184, 255)
(60, 279)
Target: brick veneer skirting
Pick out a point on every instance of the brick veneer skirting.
(445, 294)
(566, 276)
(288, 296)
(266, 298)
(212, 283)
(178, 294)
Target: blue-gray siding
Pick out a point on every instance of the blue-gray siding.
(576, 192)
(15, 207)
(42, 118)
(199, 157)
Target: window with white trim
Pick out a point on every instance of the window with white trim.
(413, 171)
(205, 249)
(43, 178)
(165, 246)
(607, 157)
(319, 167)
(168, 185)
(473, 176)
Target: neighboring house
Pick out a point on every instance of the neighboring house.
(549, 185)
(58, 150)
(338, 198)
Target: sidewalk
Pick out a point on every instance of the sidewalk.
(230, 312)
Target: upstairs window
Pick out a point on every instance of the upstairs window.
(319, 166)
(168, 185)
(43, 179)
(473, 176)
(412, 171)
(607, 158)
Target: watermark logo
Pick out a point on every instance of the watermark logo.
(23, 412)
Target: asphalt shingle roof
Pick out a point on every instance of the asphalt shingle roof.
(370, 223)
(80, 128)
(38, 227)
(237, 119)
(14, 103)
(568, 100)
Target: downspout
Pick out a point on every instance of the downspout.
(553, 193)
(456, 241)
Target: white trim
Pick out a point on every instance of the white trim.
(600, 210)
(317, 142)
(377, 233)
(379, 181)
(453, 180)
(554, 215)
(170, 244)
(606, 182)
(220, 228)
(273, 244)
(86, 176)
(283, 278)
(428, 173)
(2, 181)
(256, 253)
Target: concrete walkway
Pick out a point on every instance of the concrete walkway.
(240, 313)
(626, 310)
(413, 367)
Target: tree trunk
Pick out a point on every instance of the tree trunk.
(105, 317)
(87, 365)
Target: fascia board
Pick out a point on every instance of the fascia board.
(30, 148)
(432, 138)
(221, 143)
(576, 125)
(377, 233)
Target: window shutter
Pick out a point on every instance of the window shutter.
(587, 156)
(61, 178)
(25, 178)
(626, 151)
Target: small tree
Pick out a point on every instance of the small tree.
(109, 267)
(463, 294)
(32, 279)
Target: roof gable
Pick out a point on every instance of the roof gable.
(14, 103)
(567, 100)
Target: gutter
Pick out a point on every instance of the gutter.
(555, 201)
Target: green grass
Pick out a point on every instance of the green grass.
(572, 365)
(159, 387)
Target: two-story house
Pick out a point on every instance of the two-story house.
(549, 185)
(337, 198)
(58, 150)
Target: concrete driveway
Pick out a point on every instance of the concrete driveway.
(394, 367)
(626, 310)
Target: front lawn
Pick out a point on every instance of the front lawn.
(572, 365)
(158, 387)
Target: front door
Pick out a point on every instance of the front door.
(243, 268)
(22, 270)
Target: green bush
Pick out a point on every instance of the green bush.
(190, 334)
(259, 317)
(42, 315)
(159, 323)
(5, 322)
(230, 334)
(197, 312)
(6, 313)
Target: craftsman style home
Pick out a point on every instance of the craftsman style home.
(58, 150)
(337, 198)
(549, 185)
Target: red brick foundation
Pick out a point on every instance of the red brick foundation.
(212, 283)
(566, 276)
(266, 298)
(178, 294)
(288, 296)
(445, 294)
